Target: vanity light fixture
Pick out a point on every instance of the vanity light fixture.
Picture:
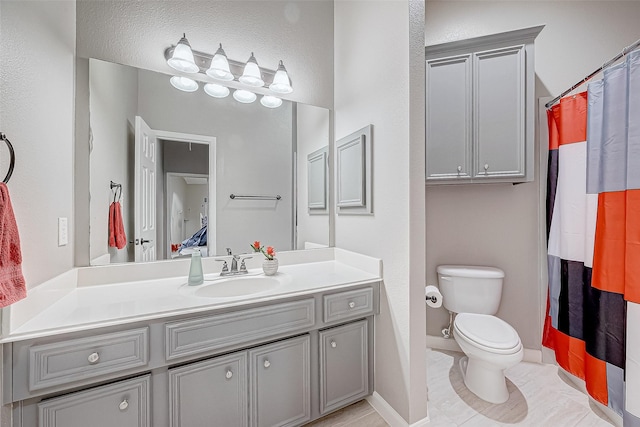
(216, 90)
(219, 68)
(244, 96)
(185, 84)
(182, 58)
(281, 82)
(270, 101)
(251, 75)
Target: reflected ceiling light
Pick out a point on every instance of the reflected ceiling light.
(184, 83)
(251, 75)
(270, 101)
(281, 82)
(216, 90)
(244, 96)
(219, 68)
(182, 58)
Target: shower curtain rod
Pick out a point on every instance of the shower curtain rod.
(624, 52)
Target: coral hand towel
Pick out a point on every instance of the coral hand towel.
(117, 236)
(12, 284)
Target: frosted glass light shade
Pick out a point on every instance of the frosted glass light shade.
(182, 58)
(244, 96)
(184, 84)
(215, 90)
(270, 101)
(251, 75)
(219, 68)
(281, 82)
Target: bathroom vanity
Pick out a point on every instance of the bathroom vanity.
(102, 355)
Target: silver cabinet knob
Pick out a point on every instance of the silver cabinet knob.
(123, 405)
(93, 358)
(352, 304)
(459, 168)
(333, 344)
(267, 363)
(486, 166)
(229, 374)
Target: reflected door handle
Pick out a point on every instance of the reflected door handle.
(143, 241)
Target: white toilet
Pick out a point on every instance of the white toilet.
(490, 343)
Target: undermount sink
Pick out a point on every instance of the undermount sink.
(237, 286)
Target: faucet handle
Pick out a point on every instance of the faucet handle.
(229, 251)
(243, 267)
(225, 266)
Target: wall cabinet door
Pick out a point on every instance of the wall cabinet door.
(212, 392)
(498, 113)
(279, 380)
(344, 371)
(122, 404)
(448, 118)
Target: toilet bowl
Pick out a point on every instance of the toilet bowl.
(491, 346)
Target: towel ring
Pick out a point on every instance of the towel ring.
(12, 160)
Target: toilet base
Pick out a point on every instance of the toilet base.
(484, 380)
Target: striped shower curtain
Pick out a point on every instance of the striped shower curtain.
(593, 230)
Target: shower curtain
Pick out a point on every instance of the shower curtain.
(593, 229)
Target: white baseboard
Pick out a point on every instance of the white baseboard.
(450, 344)
(390, 415)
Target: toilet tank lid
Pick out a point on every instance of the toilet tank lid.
(471, 271)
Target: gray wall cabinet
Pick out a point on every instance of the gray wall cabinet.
(480, 112)
(279, 363)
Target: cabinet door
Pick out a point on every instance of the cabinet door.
(344, 371)
(448, 118)
(499, 114)
(208, 393)
(279, 380)
(122, 404)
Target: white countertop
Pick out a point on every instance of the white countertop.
(87, 307)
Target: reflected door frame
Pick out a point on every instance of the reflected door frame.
(211, 142)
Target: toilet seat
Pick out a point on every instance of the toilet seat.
(488, 333)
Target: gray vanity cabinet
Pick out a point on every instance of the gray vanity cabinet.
(212, 392)
(122, 404)
(279, 383)
(344, 371)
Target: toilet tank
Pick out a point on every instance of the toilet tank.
(470, 289)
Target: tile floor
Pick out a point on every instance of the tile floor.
(540, 396)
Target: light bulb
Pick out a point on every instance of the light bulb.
(216, 90)
(182, 58)
(244, 96)
(281, 82)
(184, 83)
(251, 75)
(270, 101)
(219, 68)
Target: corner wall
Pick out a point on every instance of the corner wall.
(390, 96)
(37, 66)
(500, 224)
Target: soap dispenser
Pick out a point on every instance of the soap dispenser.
(196, 277)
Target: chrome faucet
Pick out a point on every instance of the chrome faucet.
(234, 265)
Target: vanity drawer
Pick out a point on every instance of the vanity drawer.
(348, 305)
(122, 404)
(205, 334)
(78, 359)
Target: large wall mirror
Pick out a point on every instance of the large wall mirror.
(176, 158)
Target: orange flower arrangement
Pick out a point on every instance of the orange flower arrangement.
(269, 253)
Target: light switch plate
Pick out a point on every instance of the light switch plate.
(63, 232)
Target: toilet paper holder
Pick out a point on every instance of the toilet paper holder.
(431, 298)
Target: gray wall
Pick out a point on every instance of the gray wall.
(37, 66)
(391, 97)
(112, 95)
(138, 32)
(500, 224)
